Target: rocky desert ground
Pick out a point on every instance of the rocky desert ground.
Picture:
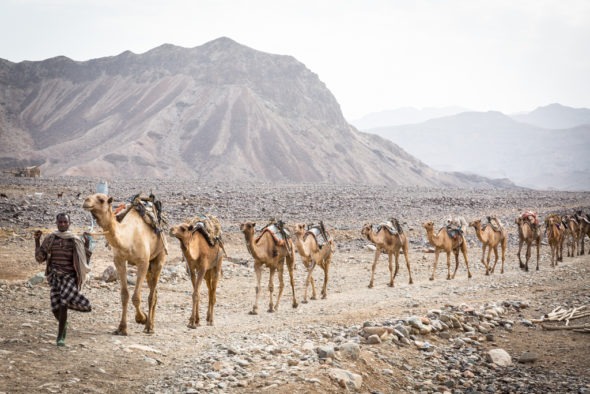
(478, 335)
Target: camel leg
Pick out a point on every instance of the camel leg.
(140, 316)
(464, 251)
(291, 268)
(436, 253)
(503, 245)
(408, 263)
(375, 260)
(271, 288)
(258, 273)
(483, 260)
(391, 275)
(520, 242)
(326, 267)
(449, 265)
(308, 279)
(495, 250)
(122, 272)
(153, 276)
(527, 256)
(538, 250)
(456, 254)
(212, 277)
(197, 280)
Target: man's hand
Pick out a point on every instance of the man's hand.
(37, 235)
(87, 237)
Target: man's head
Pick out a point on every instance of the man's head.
(63, 221)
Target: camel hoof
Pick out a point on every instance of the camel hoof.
(390, 284)
(313, 298)
(305, 301)
(370, 285)
(192, 326)
(253, 312)
(120, 332)
(411, 282)
(148, 331)
(295, 305)
(324, 296)
(469, 276)
(210, 323)
(270, 310)
(431, 278)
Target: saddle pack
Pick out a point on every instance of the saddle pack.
(493, 222)
(209, 227)
(319, 232)
(277, 230)
(149, 208)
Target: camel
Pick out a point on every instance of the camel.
(443, 241)
(490, 239)
(572, 234)
(555, 236)
(390, 244)
(204, 261)
(312, 255)
(529, 233)
(584, 231)
(133, 241)
(267, 252)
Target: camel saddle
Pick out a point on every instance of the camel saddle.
(530, 217)
(582, 217)
(392, 225)
(493, 222)
(318, 232)
(454, 230)
(149, 208)
(208, 226)
(277, 230)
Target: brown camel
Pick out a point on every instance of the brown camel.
(133, 241)
(555, 237)
(584, 231)
(443, 241)
(572, 234)
(204, 261)
(529, 233)
(312, 255)
(267, 252)
(490, 239)
(390, 244)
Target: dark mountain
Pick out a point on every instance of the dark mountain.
(220, 111)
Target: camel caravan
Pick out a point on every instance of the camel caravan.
(135, 232)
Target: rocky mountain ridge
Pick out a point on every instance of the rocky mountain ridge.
(220, 111)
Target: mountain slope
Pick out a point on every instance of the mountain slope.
(492, 144)
(555, 116)
(218, 111)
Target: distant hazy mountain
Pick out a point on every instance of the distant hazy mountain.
(400, 116)
(495, 145)
(555, 116)
(220, 111)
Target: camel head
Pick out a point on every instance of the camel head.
(99, 205)
(475, 224)
(299, 229)
(182, 231)
(518, 220)
(367, 228)
(248, 228)
(428, 226)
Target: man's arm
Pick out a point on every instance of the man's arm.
(40, 250)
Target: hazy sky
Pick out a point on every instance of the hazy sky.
(373, 55)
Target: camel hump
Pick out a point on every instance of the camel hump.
(209, 226)
(318, 232)
(495, 223)
(149, 208)
(278, 231)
